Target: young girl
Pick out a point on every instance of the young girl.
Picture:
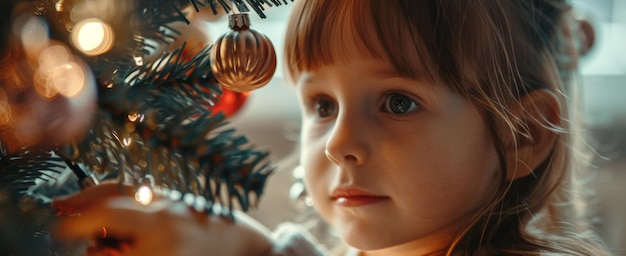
(428, 128)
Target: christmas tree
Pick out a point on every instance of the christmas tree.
(94, 90)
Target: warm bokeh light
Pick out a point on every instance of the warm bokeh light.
(92, 37)
(69, 79)
(59, 73)
(53, 57)
(143, 195)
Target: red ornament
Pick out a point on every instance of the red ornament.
(243, 59)
(229, 103)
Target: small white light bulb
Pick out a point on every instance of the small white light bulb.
(143, 195)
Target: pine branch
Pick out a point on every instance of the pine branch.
(242, 6)
(25, 220)
(151, 120)
(20, 171)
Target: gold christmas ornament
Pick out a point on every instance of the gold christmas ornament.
(243, 59)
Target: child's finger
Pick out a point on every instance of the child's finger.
(118, 215)
(121, 215)
(86, 197)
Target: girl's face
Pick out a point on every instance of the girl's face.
(394, 164)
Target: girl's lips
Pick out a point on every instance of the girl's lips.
(353, 197)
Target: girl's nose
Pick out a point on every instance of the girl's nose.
(347, 141)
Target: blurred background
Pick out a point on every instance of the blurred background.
(603, 92)
(270, 118)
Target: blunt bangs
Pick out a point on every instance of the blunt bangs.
(336, 31)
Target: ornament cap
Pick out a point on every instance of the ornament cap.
(239, 21)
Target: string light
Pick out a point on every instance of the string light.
(143, 195)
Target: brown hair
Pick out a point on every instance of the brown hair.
(492, 52)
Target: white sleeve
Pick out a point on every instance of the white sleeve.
(291, 239)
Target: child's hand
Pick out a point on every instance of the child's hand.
(163, 227)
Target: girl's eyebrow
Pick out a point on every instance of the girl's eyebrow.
(388, 71)
(305, 80)
(391, 73)
(385, 72)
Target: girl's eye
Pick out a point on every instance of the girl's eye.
(398, 104)
(325, 107)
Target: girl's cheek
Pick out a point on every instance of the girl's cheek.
(306, 145)
(313, 144)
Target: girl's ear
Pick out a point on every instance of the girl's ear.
(541, 112)
(587, 36)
